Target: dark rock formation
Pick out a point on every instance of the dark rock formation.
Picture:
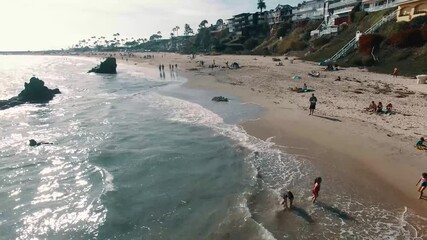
(108, 66)
(35, 92)
(220, 99)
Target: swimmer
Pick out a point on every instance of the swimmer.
(33, 143)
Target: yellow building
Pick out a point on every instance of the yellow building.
(411, 9)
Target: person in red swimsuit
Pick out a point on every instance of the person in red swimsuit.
(316, 189)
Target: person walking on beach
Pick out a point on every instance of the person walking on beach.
(316, 189)
(163, 67)
(395, 72)
(160, 68)
(313, 101)
(423, 185)
(287, 195)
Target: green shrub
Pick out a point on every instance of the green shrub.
(342, 27)
(367, 61)
(358, 17)
(357, 60)
(298, 46)
(318, 42)
(369, 41)
(407, 38)
(250, 44)
(418, 21)
(283, 30)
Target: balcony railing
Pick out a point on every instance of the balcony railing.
(343, 3)
(385, 6)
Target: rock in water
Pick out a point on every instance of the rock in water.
(35, 92)
(108, 66)
(220, 99)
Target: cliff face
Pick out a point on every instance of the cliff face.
(396, 44)
(109, 66)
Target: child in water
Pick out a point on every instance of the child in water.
(423, 184)
(287, 195)
(316, 189)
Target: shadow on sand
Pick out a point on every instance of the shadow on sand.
(328, 118)
(302, 213)
(339, 213)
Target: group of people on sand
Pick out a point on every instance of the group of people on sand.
(172, 68)
(289, 196)
(379, 108)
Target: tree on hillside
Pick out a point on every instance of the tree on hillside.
(188, 30)
(155, 37)
(203, 24)
(219, 22)
(261, 5)
(176, 29)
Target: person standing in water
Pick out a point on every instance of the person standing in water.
(287, 195)
(313, 101)
(423, 185)
(316, 189)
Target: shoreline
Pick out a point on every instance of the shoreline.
(377, 161)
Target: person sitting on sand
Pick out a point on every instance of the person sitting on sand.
(34, 143)
(380, 107)
(389, 108)
(280, 64)
(372, 107)
(286, 196)
(304, 88)
(316, 189)
(420, 144)
(423, 185)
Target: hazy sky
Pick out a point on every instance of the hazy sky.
(56, 24)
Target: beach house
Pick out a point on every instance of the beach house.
(339, 10)
(411, 9)
(377, 5)
(237, 23)
(281, 14)
(313, 9)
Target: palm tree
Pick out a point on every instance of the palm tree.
(176, 29)
(261, 5)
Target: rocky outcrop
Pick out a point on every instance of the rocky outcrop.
(108, 66)
(34, 92)
(220, 99)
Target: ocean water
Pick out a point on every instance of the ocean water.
(139, 157)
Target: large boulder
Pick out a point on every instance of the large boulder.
(108, 66)
(34, 92)
(220, 99)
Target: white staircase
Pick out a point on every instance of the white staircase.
(352, 43)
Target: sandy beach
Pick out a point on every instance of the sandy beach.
(370, 155)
